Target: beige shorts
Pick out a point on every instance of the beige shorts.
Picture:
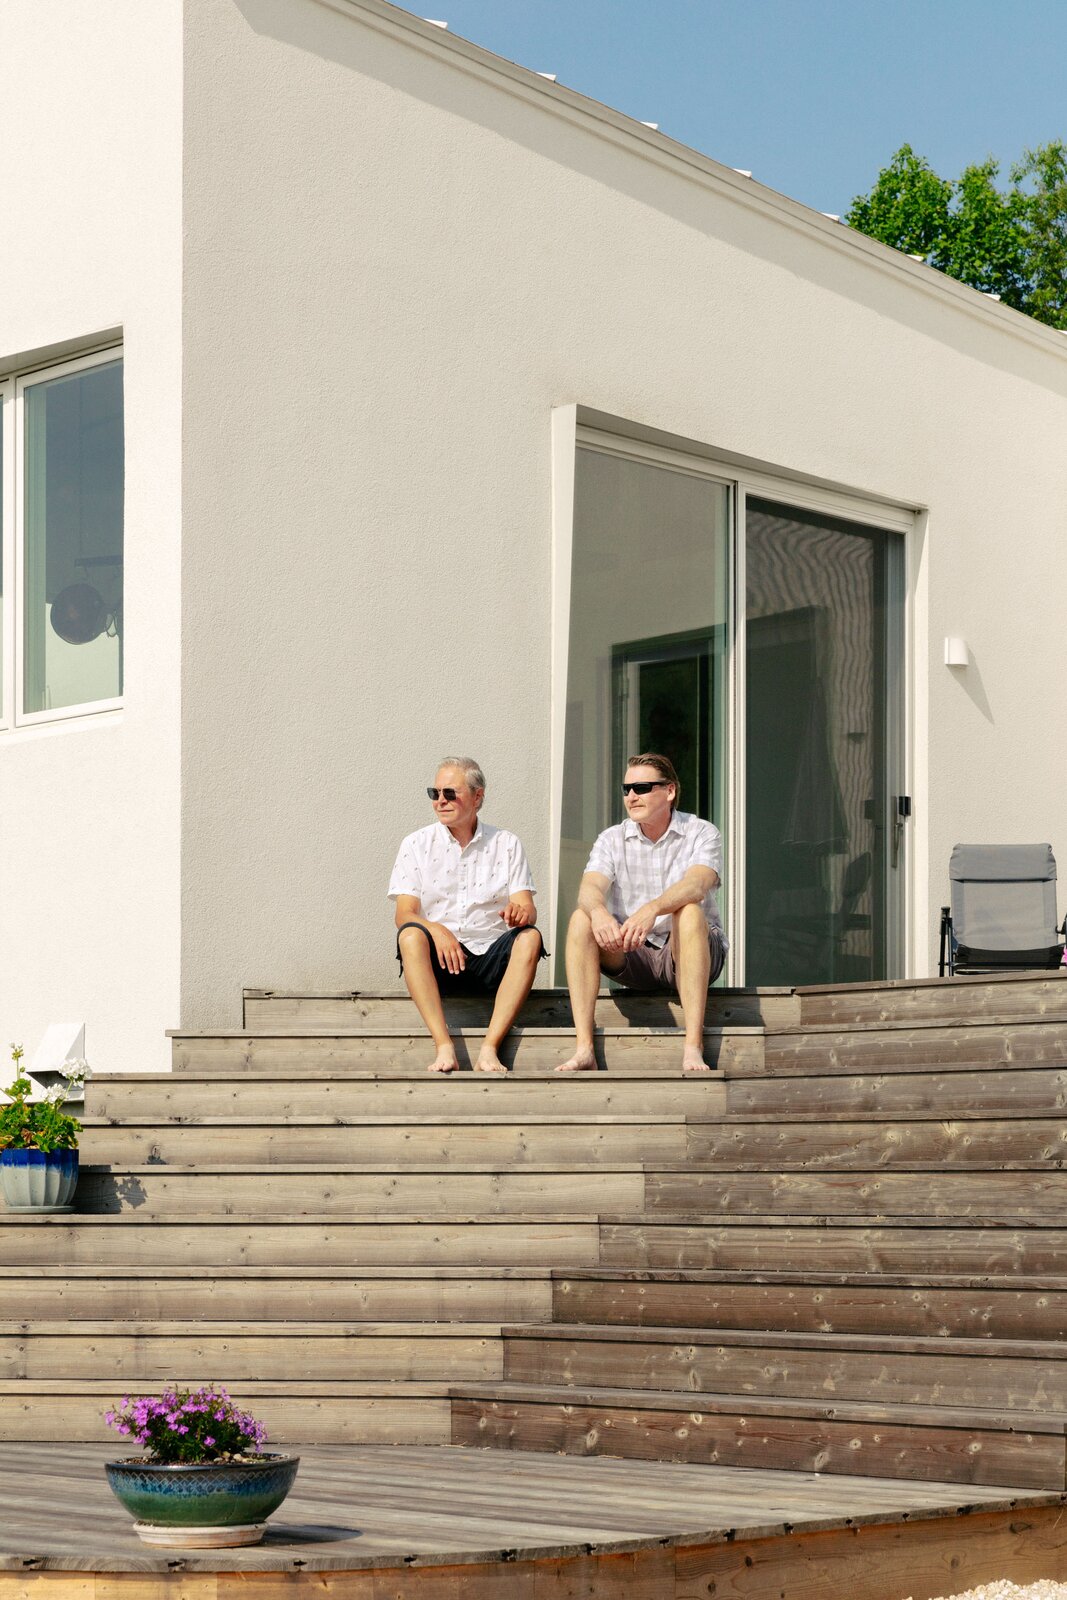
(652, 967)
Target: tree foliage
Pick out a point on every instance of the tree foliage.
(1011, 242)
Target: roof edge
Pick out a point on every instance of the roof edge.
(669, 154)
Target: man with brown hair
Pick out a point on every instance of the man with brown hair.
(648, 911)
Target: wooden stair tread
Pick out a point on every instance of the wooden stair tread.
(419, 1035)
(767, 1405)
(376, 1169)
(309, 1388)
(129, 1328)
(799, 1277)
(557, 992)
(961, 980)
(304, 1219)
(744, 1338)
(548, 1119)
(356, 1274)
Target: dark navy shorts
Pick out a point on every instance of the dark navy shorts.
(483, 973)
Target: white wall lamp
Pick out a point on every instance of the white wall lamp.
(957, 653)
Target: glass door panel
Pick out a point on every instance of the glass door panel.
(823, 646)
(647, 651)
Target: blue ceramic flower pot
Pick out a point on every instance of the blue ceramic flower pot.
(179, 1504)
(39, 1180)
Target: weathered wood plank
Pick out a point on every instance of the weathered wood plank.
(989, 1192)
(267, 1010)
(233, 1353)
(525, 1050)
(329, 1191)
(1038, 1141)
(425, 1295)
(168, 1097)
(994, 1311)
(1036, 995)
(508, 1144)
(642, 1431)
(127, 1238)
(1017, 1091)
(874, 1048)
(842, 1244)
(796, 1365)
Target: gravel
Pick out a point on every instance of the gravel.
(1002, 1589)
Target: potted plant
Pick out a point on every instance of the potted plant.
(206, 1481)
(39, 1141)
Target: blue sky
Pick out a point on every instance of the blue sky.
(813, 95)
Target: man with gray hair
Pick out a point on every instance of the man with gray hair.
(465, 913)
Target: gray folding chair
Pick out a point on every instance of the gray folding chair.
(1003, 911)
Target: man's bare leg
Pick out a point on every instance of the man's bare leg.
(419, 955)
(514, 987)
(692, 968)
(584, 966)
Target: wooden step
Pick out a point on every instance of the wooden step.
(965, 1044)
(279, 1294)
(1019, 995)
(989, 1191)
(331, 1411)
(920, 1443)
(934, 1142)
(292, 1189)
(953, 1094)
(1016, 1375)
(525, 1050)
(276, 1011)
(1032, 1246)
(170, 1097)
(958, 1307)
(390, 1142)
(132, 1238)
(232, 1352)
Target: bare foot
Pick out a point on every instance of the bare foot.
(693, 1059)
(489, 1061)
(444, 1060)
(583, 1060)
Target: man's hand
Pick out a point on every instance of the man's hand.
(516, 915)
(638, 925)
(449, 950)
(606, 930)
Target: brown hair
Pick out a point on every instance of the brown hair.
(664, 766)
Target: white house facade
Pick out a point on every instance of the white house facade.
(366, 399)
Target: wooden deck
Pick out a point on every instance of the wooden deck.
(452, 1524)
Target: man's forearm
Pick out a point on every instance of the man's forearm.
(686, 892)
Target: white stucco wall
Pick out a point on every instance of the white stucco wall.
(90, 207)
(397, 263)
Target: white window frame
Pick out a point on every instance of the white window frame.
(14, 444)
(7, 553)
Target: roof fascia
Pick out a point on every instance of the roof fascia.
(668, 154)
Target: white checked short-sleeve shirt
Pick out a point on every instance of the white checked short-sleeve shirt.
(466, 888)
(640, 869)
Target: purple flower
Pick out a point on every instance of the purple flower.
(208, 1440)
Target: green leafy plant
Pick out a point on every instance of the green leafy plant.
(27, 1124)
(188, 1426)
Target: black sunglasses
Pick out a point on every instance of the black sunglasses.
(645, 788)
(444, 794)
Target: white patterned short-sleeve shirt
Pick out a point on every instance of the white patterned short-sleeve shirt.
(465, 888)
(640, 869)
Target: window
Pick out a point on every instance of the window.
(61, 503)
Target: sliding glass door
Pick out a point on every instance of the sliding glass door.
(823, 644)
(649, 612)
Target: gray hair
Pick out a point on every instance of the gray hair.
(470, 769)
